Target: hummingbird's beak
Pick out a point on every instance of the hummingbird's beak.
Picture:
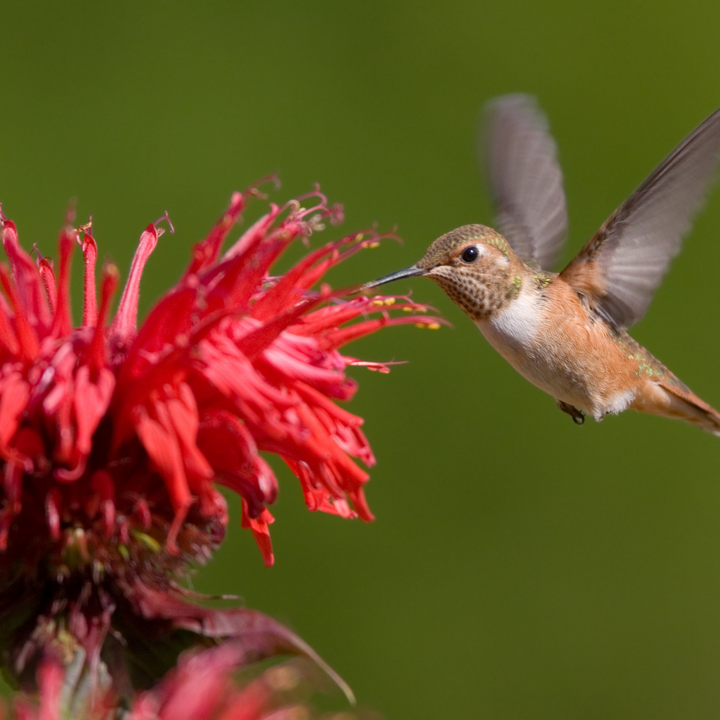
(411, 271)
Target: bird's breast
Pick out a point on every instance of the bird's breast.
(518, 325)
(550, 339)
(519, 333)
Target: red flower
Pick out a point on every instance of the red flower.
(113, 438)
(203, 686)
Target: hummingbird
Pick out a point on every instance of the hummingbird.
(566, 332)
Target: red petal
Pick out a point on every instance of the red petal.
(260, 531)
(206, 252)
(62, 322)
(125, 322)
(89, 251)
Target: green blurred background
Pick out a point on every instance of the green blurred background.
(519, 567)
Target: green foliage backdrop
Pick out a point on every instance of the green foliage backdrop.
(519, 567)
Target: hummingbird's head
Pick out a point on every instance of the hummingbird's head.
(472, 264)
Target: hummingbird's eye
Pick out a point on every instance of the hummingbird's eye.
(470, 254)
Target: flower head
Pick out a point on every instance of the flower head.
(114, 438)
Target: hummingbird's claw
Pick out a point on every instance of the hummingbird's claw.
(573, 412)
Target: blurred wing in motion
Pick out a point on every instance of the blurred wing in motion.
(524, 178)
(623, 263)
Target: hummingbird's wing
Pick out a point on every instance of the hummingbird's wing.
(524, 178)
(622, 264)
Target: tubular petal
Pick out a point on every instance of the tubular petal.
(89, 251)
(125, 322)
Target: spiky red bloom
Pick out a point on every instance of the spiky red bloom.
(114, 438)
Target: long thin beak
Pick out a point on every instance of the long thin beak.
(411, 271)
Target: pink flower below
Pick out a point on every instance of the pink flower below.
(203, 686)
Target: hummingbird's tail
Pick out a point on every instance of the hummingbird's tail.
(672, 398)
(706, 418)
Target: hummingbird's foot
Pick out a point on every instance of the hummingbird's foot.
(573, 412)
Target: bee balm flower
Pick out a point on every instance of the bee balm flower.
(114, 438)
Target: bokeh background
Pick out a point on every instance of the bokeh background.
(520, 566)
